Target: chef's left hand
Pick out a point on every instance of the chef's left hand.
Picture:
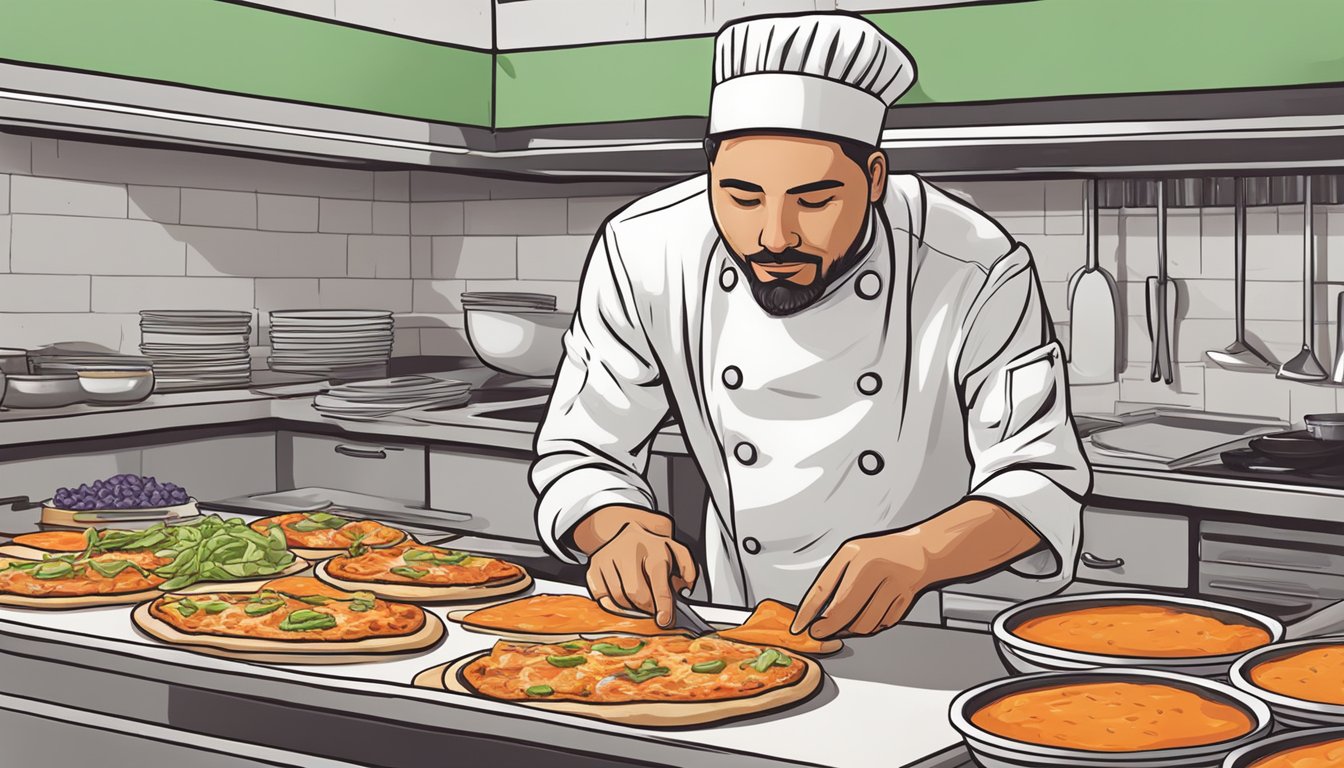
(867, 586)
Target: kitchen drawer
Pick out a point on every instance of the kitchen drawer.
(195, 465)
(1283, 593)
(1135, 548)
(387, 470)
(491, 486)
(1272, 547)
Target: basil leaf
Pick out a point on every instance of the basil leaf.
(767, 659)
(410, 573)
(186, 608)
(306, 621)
(215, 607)
(360, 605)
(647, 670)
(261, 609)
(53, 569)
(418, 555)
(540, 690)
(109, 568)
(566, 661)
(318, 521)
(611, 649)
(709, 667)
(178, 582)
(315, 599)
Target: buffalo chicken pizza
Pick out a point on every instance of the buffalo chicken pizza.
(76, 581)
(549, 617)
(318, 535)
(291, 620)
(422, 572)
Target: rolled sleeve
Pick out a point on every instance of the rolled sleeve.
(608, 401)
(1026, 454)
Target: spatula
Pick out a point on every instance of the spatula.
(1093, 323)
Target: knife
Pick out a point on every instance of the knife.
(683, 617)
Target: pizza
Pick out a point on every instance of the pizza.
(294, 619)
(769, 625)
(423, 572)
(74, 581)
(651, 681)
(33, 546)
(548, 617)
(318, 535)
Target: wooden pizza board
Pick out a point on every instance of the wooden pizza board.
(418, 594)
(82, 601)
(660, 714)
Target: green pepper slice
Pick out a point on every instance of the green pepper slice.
(566, 661)
(709, 667)
(540, 690)
(611, 649)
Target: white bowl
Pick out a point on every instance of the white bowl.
(1253, 753)
(993, 751)
(52, 390)
(116, 386)
(524, 343)
(1024, 656)
(1288, 711)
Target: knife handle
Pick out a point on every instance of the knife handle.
(1154, 314)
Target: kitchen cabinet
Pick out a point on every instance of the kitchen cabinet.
(382, 468)
(217, 468)
(1284, 571)
(1129, 548)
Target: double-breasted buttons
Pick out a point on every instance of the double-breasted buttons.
(869, 285)
(728, 278)
(745, 453)
(871, 462)
(732, 377)
(870, 383)
(751, 546)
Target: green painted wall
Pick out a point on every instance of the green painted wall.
(971, 53)
(253, 51)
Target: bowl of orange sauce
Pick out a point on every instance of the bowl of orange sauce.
(1302, 681)
(1139, 718)
(1130, 629)
(1315, 748)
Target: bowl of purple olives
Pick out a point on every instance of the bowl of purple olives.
(127, 492)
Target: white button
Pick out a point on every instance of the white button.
(869, 285)
(728, 278)
(871, 462)
(732, 377)
(752, 546)
(745, 453)
(870, 383)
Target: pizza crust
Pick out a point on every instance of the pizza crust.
(275, 651)
(24, 552)
(81, 601)
(460, 616)
(417, 593)
(656, 714)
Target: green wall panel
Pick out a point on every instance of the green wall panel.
(251, 51)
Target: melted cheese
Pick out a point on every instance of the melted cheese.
(1141, 630)
(769, 625)
(85, 581)
(1316, 674)
(1327, 754)
(376, 565)
(560, 615)
(53, 541)
(374, 534)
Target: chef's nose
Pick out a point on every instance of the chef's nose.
(776, 234)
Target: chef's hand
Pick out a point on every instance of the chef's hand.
(634, 561)
(867, 587)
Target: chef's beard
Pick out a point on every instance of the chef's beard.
(780, 297)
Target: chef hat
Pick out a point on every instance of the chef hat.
(830, 74)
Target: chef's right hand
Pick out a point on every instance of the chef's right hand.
(634, 561)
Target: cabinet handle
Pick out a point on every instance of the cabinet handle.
(356, 452)
(1092, 561)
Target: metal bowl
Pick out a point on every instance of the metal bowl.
(524, 343)
(1251, 754)
(48, 390)
(1288, 711)
(993, 751)
(116, 386)
(1024, 656)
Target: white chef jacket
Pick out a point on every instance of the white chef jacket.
(927, 374)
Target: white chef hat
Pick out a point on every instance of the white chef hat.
(831, 74)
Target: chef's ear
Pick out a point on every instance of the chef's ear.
(877, 175)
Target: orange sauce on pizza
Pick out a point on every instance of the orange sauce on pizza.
(654, 669)
(53, 541)
(769, 625)
(1141, 630)
(1113, 717)
(82, 581)
(369, 532)
(1327, 754)
(560, 615)
(276, 613)
(376, 565)
(1315, 674)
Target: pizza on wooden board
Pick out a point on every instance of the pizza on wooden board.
(664, 681)
(318, 535)
(423, 572)
(75, 581)
(542, 618)
(297, 620)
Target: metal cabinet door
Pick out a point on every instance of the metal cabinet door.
(1135, 548)
(388, 470)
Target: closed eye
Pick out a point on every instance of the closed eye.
(816, 204)
(745, 202)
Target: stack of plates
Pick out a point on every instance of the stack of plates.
(506, 300)
(324, 341)
(372, 399)
(197, 348)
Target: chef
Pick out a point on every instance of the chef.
(861, 364)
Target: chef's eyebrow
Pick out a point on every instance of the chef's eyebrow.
(816, 186)
(745, 186)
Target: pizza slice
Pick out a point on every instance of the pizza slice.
(549, 617)
(77, 581)
(769, 625)
(319, 535)
(661, 681)
(424, 572)
(296, 620)
(34, 546)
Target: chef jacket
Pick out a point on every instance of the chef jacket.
(928, 373)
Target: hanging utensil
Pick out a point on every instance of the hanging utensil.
(1093, 315)
(1240, 354)
(1305, 366)
(1162, 299)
